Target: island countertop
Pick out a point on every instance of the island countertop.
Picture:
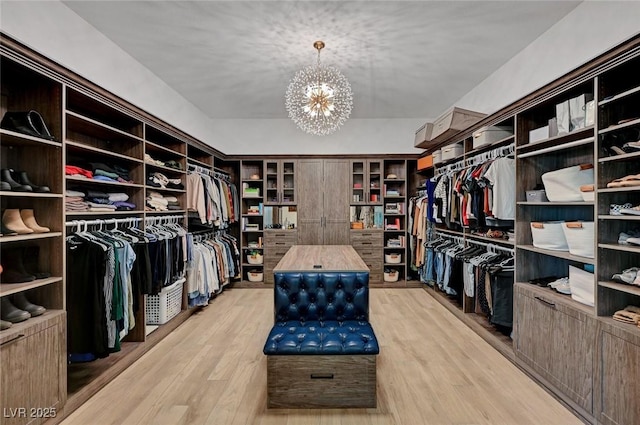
(330, 258)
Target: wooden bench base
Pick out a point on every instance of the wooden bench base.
(316, 381)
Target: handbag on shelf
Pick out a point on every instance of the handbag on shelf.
(29, 122)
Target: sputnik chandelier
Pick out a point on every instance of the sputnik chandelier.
(319, 98)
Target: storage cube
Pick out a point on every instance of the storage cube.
(580, 236)
(452, 122)
(423, 136)
(538, 134)
(582, 286)
(488, 135)
(549, 235)
(452, 152)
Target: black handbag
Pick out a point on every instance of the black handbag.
(30, 123)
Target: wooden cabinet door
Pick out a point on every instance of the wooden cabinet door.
(336, 202)
(14, 378)
(619, 371)
(288, 182)
(310, 201)
(557, 341)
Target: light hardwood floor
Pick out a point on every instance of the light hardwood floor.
(432, 370)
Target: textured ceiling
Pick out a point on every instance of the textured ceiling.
(403, 59)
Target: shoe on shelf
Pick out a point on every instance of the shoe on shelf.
(30, 258)
(543, 281)
(564, 287)
(23, 178)
(14, 270)
(5, 231)
(20, 301)
(5, 176)
(11, 313)
(629, 237)
(628, 276)
(557, 282)
(631, 210)
(4, 325)
(614, 209)
(5, 187)
(13, 221)
(30, 221)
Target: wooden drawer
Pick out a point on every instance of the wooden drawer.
(375, 266)
(286, 238)
(555, 336)
(371, 254)
(367, 238)
(315, 381)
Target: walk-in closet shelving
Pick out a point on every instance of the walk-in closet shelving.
(394, 198)
(252, 192)
(33, 369)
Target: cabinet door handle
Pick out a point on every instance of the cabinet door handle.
(545, 302)
(14, 339)
(321, 376)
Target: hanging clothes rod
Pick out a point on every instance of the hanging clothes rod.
(162, 218)
(476, 160)
(102, 221)
(217, 174)
(491, 246)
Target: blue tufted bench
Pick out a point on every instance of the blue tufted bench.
(321, 351)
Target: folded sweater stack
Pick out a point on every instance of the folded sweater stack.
(630, 314)
(157, 202)
(97, 201)
(74, 201)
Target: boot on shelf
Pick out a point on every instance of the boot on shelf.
(11, 313)
(30, 257)
(5, 231)
(23, 178)
(5, 187)
(13, 221)
(4, 325)
(14, 270)
(30, 221)
(5, 176)
(20, 301)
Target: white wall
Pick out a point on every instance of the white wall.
(589, 30)
(52, 29)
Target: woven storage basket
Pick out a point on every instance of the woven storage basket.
(166, 305)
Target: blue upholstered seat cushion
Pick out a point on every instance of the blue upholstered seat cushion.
(321, 296)
(321, 337)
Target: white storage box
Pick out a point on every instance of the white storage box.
(437, 157)
(564, 185)
(578, 111)
(423, 136)
(582, 285)
(588, 192)
(538, 134)
(549, 235)
(255, 276)
(391, 276)
(452, 152)
(488, 135)
(452, 122)
(393, 258)
(161, 308)
(580, 236)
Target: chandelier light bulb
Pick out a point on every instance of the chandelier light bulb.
(319, 98)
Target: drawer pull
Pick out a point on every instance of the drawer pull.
(17, 337)
(322, 376)
(545, 302)
(280, 243)
(366, 243)
(367, 253)
(367, 234)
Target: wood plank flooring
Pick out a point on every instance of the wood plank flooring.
(432, 370)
